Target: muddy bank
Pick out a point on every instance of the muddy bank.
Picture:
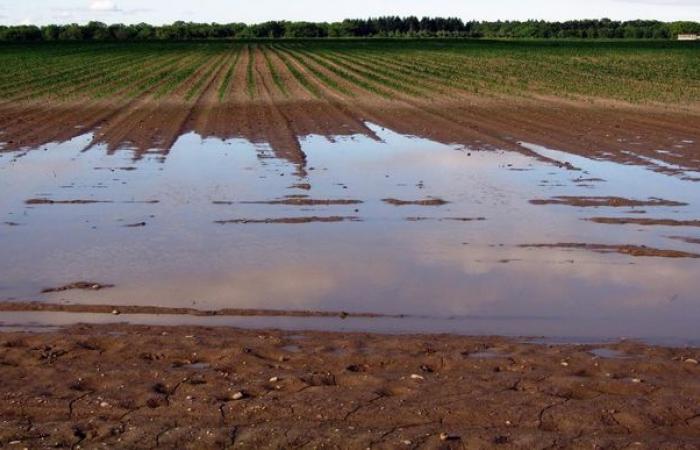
(133, 387)
(631, 250)
(9, 306)
(645, 221)
(425, 202)
(291, 220)
(613, 202)
(624, 133)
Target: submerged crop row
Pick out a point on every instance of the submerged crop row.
(388, 69)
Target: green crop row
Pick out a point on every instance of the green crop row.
(637, 72)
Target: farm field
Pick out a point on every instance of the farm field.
(350, 243)
(582, 96)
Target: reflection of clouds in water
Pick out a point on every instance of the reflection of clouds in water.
(547, 276)
(384, 264)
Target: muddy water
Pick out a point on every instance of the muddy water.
(193, 229)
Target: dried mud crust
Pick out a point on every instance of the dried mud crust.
(146, 387)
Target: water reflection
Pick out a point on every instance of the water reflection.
(460, 270)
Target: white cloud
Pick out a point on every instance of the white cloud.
(103, 6)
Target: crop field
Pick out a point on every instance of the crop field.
(489, 94)
(635, 72)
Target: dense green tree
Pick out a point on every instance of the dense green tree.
(387, 26)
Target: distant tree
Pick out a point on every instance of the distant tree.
(385, 26)
(72, 32)
(305, 30)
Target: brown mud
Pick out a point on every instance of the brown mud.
(297, 201)
(158, 387)
(148, 125)
(82, 285)
(9, 306)
(425, 202)
(46, 201)
(292, 220)
(645, 221)
(613, 202)
(686, 239)
(630, 250)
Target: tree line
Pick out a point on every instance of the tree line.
(390, 26)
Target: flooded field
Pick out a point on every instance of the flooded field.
(398, 233)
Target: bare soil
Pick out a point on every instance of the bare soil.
(298, 201)
(645, 221)
(631, 250)
(292, 220)
(80, 285)
(584, 128)
(157, 387)
(425, 202)
(614, 202)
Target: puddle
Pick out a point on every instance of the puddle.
(489, 354)
(462, 213)
(197, 366)
(608, 353)
(292, 348)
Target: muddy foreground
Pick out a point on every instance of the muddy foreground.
(143, 387)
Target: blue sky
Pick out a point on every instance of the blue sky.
(167, 11)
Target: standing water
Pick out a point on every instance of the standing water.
(449, 238)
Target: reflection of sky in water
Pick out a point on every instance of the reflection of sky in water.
(384, 264)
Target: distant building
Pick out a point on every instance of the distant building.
(688, 37)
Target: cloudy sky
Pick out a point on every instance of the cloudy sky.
(167, 11)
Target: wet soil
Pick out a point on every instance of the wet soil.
(687, 239)
(645, 221)
(291, 220)
(157, 387)
(614, 202)
(297, 201)
(426, 202)
(46, 201)
(631, 250)
(145, 125)
(82, 285)
(8, 306)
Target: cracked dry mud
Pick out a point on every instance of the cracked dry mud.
(144, 387)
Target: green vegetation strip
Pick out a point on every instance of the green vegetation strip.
(662, 72)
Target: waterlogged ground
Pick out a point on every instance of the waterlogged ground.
(455, 239)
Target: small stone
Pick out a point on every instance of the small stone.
(274, 379)
(104, 405)
(238, 396)
(417, 377)
(636, 380)
(406, 442)
(448, 437)
(691, 361)
(115, 312)
(564, 363)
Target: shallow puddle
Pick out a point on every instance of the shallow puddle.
(489, 354)
(399, 226)
(608, 353)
